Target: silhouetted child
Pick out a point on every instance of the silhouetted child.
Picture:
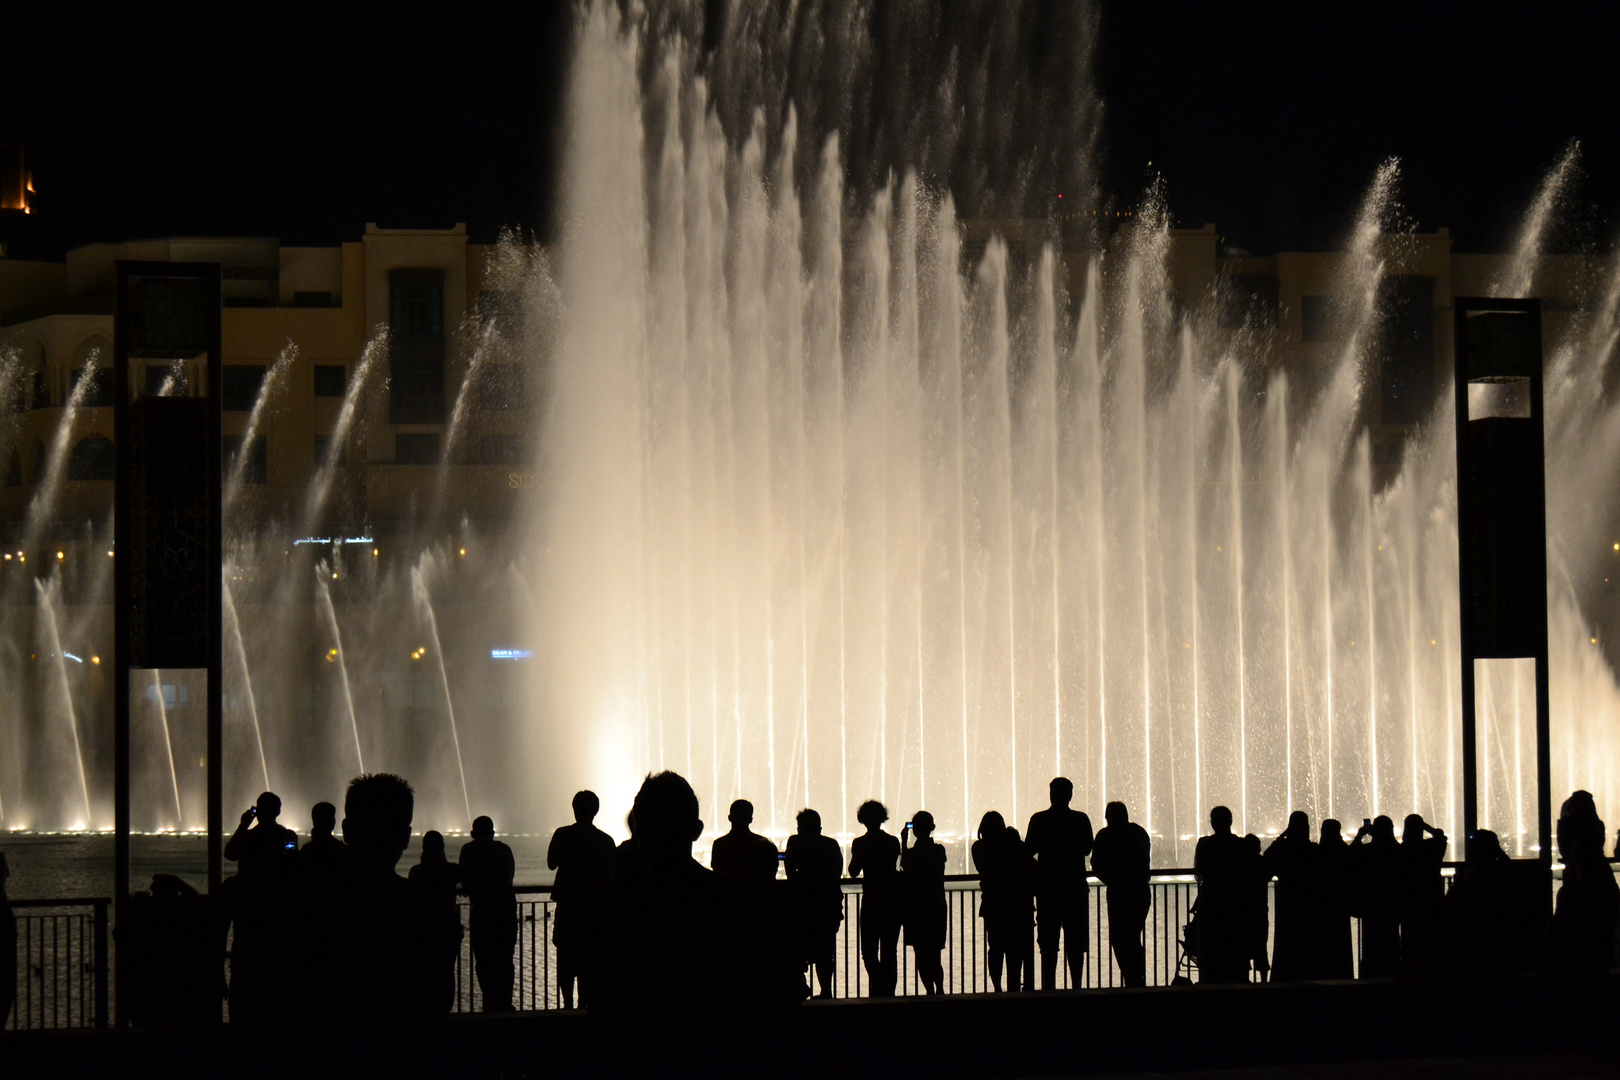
(1332, 942)
(1423, 890)
(814, 865)
(874, 856)
(438, 879)
(581, 854)
(741, 852)
(922, 876)
(1375, 861)
(1006, 902)
(487, 870)
(1222, 865)
(1293, 860)
(1060, 839)
(1122, 860)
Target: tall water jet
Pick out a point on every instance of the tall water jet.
(47, 595)
(156, 693)
(269, 389)
(424, 606)
(233, 625)
(323, 589)
(348, 413)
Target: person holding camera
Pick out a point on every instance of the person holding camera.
(1376, 861)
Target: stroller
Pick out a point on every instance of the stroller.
(1187, 951)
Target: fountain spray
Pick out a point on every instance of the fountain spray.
(424, 604)
(168, 746)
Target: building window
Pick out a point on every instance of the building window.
(500, 387)
(416, 448)
(1405, 349)
(257, 468)
(323, 446)
(240, 386)
(1250, 300)
(330, 380)
(313, 298)
(416, 346)
(93, 458)
(1318, 318)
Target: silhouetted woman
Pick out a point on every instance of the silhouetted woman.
(874, 856)
(1292, 860)
(1423, 890)
(1007, 902)
(1375, 861)
(1256, 906)
(922, 875)
(436, 878)
(815, 863)
(1333, 942)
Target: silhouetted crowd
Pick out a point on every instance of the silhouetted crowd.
(328, 932)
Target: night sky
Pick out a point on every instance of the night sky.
(306, 121)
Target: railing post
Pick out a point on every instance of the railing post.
(101, 964)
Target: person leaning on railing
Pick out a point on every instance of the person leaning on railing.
(874, 857)
(1122, 858)
(922, 873)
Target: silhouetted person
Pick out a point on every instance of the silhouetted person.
(922, 879)
(263, 910)
(1294, 861)
(680, 946)
(1332, 941)
(487, 869)
(874, 856)
(437, 880)
(814, 866)
(1256, 907)
(8, 946)
(1122, 859)
(1581, 937)
(1222, 865)
(1375, 862)
(741, 852)
(323, 855)
(1423, 890)
(1488, 919)
(1060, 839)
(1006, 902)
(582, 855)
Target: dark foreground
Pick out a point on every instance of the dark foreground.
(1331, 1031)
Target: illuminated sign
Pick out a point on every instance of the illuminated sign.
(335, 541)
(510, 654)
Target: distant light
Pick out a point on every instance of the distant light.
(109, 555)
(1617, 547)
(373, 553)
(8, 559)
(463, 552)
(60, 556)
(334, 575)
(76, 660)
(95, 660)
(21, 557)
(1594, 641)
(510, 654)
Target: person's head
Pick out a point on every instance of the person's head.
(741, 814)
(1580, 831)
(665, 818)
(1485, 850)
(377, 813)
(872, 814)
(586, 804)
(1383, 828)
(1252, 843)
(483, 828)
(1332, 831)
(268, 807)
(1299, 826)
(809, 822)
(992, 825)
(922, 824)
(433, 847)
(323, 819)
(1412, 828)
(1061, 789)
(1116, 814)
(1220, 819)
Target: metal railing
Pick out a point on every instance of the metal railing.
(62, 964)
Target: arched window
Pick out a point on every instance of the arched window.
(42, 379)
(94, 458)
(99, 349)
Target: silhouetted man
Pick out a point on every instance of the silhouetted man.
(1222, 866)
(1581, 938)
(741, 852)
(1293, 860)
(1334, 956)
(437, 879)
(487, 870)
(1375, 862)
(1123, 859)
(323, 853)
(581, 854)
(8, 946)
(1423, 891)
(814, 865)
(874, 856)
(262, 907)
(1060, 839)
(680, 946)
